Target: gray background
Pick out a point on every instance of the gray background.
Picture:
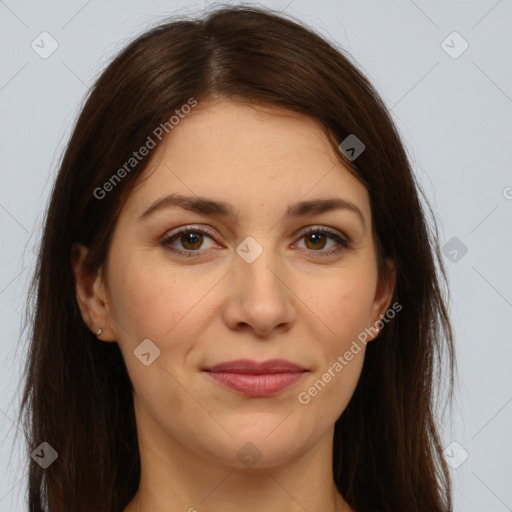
(454, 114)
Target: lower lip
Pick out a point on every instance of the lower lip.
(256, 385)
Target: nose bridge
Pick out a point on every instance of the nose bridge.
(259, 296)
(257, 263)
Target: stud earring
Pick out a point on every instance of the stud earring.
(99, 332)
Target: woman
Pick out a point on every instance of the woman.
(237, 303)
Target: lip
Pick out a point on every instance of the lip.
(250, 367)
(256, 379)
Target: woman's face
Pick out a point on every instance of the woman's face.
(258, 286)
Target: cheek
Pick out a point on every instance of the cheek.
(344, 303)
(152, 301)
(329, 392)
(157, 304)
(344, 308)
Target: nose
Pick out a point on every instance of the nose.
(258, 297)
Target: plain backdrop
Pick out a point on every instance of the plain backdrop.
(451, 98)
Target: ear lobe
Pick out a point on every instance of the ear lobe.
(89, 290)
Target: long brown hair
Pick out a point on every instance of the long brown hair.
(77, 395)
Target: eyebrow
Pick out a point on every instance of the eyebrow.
(206, 206)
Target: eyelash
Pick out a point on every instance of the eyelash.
(343, 242)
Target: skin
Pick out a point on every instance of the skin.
(217, 307)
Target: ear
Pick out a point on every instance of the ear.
(384, 293)
(91, 295)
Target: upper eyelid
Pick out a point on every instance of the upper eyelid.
(188, 227)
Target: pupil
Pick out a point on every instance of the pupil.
(192, 238)
(316, 236)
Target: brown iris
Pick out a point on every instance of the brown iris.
(193, 238)
(318, 237)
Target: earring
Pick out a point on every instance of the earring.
(99, 332)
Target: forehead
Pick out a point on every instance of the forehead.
(249, 155)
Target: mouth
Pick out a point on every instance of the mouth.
(256, 379)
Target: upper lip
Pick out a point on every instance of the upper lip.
(248, 366)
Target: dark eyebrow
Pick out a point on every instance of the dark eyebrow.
(207, 206)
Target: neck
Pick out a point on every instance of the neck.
(174, 479)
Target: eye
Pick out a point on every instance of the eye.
(316, 239)
(192, 238)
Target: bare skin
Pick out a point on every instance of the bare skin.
(288, 303)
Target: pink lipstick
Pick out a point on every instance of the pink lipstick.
(253, 378)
